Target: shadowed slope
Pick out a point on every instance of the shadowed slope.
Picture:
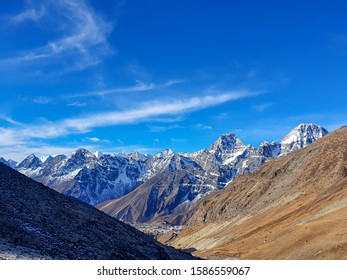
(59, 227)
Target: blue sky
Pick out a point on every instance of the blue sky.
(120, 76)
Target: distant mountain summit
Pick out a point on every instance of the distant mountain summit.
(227, 148)
(30, 162)
(301, 136)
(166, 184)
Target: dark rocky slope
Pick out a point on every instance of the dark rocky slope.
(55, 226)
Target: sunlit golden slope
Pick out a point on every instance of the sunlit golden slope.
(294, 207)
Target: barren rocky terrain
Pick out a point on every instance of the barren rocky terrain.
(10, 252)
(37, 222)
(294, 207)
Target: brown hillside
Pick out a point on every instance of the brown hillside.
(294, 207)
(153, 202)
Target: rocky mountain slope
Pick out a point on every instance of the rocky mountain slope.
(293, 207)
(85, 176)
(162, 187)
(37, 222)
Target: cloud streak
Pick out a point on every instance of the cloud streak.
(43, 100)
(84, 42)
(97, 140)
(30, 14)
(138, 87)
(160, 128)
(143, 113)
(262, 107)
(201, 126)
(77, 104)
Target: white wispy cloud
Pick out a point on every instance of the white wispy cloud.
(173, 82)
(84, 42)
(10, 137)
(162, 128)
(77, 104)
(201, 126)
(93, 139)
(32, 14)
(143, 113)
(139, 86)
(43, 100)
(97, 140)
(11, 121)
(262, 107)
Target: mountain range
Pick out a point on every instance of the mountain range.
(292, 207)
(140, 188)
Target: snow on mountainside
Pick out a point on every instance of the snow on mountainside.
(176, 180)
(166, 198)
(85, 176)
(30, 162)
(227, 148)
(300, 137)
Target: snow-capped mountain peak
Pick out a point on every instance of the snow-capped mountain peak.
(138, 156)
(227, 143)
(227, 148)
(30, 162)
(301, 136)
(164, 154)
(46, 159)
(82, 154)
(79, 158)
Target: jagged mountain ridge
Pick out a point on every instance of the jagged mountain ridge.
(98, 178)
(168, 201)
(293, 207)
(55, 226)
(85, 176)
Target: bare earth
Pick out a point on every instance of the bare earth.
(294, 207)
